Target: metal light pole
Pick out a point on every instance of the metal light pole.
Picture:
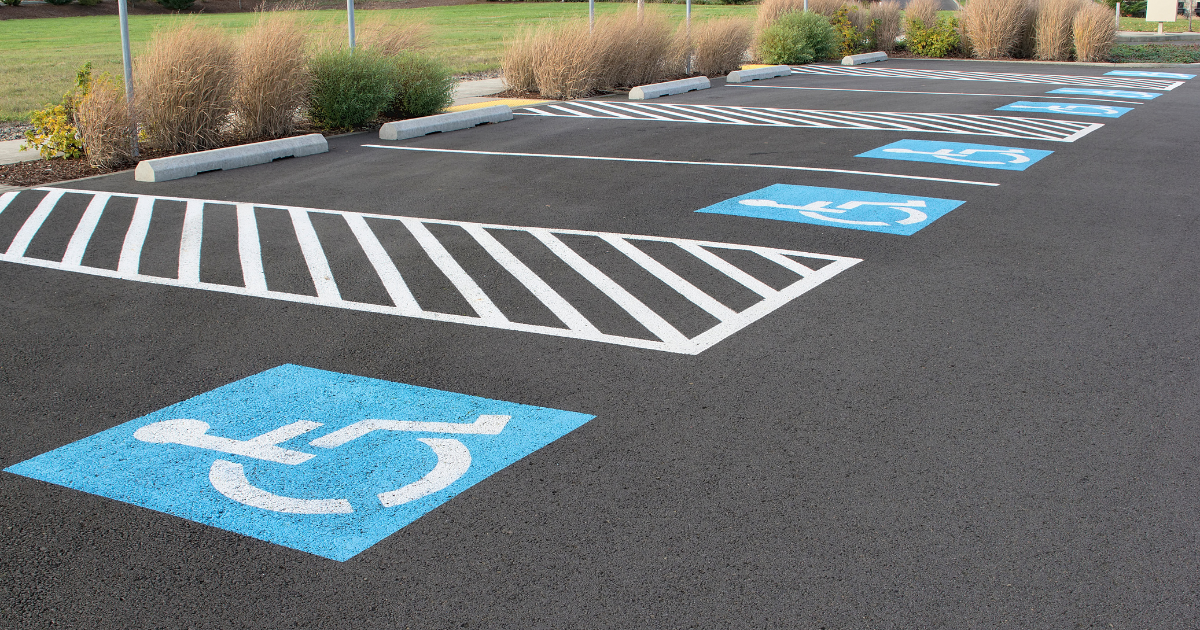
(592, 15)
(350, 15)
(688, 15)
(127, 59)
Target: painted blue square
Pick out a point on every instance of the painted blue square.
(961, 153)
(1143, 96)
(1103, 111)
(1150, 75)
(854, 209)
(243, 457)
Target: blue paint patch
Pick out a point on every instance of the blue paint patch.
(1150, 75)
(963, 154)
(1103, 111)
(243, 457)
(1145, 96)
(854, 209)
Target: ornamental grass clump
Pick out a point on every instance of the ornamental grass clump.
(719, 46)
(771, 10)
(890, 24)
(272, 80)
(1052, 29)
(923, 12)
(632, 49)
(104, 123)
(184, 83)
(1094, 32)
(996, 28)
(393, 36)
(520, 57)
(571, 64)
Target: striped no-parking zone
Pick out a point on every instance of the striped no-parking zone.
(1118, 82)
(668, 294)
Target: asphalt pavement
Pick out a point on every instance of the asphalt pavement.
(925, 389)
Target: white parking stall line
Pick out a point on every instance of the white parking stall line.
(681, 162)
(821, 89)
(6, 199)
(577, 322)
(968, 124)
(135, 237)
(997, 77)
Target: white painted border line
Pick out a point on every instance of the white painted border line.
(1055, 97)
(686, 163)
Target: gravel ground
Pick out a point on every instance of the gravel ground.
(13, 130)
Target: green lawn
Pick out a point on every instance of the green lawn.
(45, 53)
(1180, 25)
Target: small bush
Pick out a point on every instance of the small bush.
(176, 5)
(1052, 29)
(855, 35)
(55, 132)
(423, 86)
(271, 77)
(104, 124)
(720, 45)
(996, 28)
(937, 41)
(797, 38)
(58, 2)
(1157, 53)
(1094, 32)
(12, 3)
(184, 85)
(349, 88)
(520, 57)
(890, 25)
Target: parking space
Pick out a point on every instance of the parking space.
(905, 345)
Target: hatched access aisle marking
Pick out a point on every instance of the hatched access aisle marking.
(665, 335)
(969, 124)
(995, 77)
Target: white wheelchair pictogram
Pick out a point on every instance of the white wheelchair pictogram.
(818, 210)
(229, 478)
(1071, 109)
(1018, 155)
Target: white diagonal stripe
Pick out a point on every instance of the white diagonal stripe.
(673, 280)
(190, 241)
(454, 271)
(314, 256)
(34, 223)
(249, 249)
(135, 237)
(83, 232)
(393, 282)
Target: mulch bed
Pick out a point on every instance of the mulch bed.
(147, 7)
(40, 172)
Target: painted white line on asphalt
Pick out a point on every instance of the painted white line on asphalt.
(998, 77)
(189, 245)
(686, 163)
(135, 237)
(577, 323)
(792, 87)
(314, 257)
(83, 232)
(34, 223)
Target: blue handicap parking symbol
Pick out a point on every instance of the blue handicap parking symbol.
(1104, 111)
(978, 155)
(318, 461)
(1144, 96)
(1150, 75)
(854, 209)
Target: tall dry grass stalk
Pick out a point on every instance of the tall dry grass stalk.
(391, 36)
(272, 80)
(520, 57)
(771, 10)
(1052, 29)
(1094, 32)
(103, 120)
(828, 7)
(996, 28)
(570, 61)
(633, 48)
(720, 45)
(184, 84)
(924, 11)
(890, 24)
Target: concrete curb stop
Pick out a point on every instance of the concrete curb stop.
(755, 74)
(871, 57)
(190, 164)
(417, 127)
(655, 90)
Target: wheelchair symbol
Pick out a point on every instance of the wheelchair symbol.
(1018, 155)
(1089, 110)
(817, 210)
(229, 478)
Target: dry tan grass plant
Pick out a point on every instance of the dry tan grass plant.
(771, 10)
(103, 120)
(633, 49)
(391, 36)
(184, 85)
(923, 10)
(1053, 23)
(827, 7)
(996, 28)
(1094, 32)
(570, 60)
(520, 57)
(720, 45)
(272, 81)
(890, 24)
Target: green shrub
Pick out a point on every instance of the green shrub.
(12, 3)
(939, 40)
(852, 39)
(177, 5)
(349, 88)
(54, 132)
(1135, 8)
(797, 38)
(58, 2)
(423, 86)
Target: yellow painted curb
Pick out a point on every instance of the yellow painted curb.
(751, 66)
(511, 102)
